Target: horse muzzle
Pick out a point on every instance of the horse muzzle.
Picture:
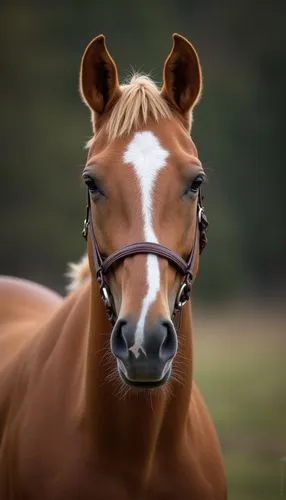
(145, 362)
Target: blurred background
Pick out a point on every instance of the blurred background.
(239, 127)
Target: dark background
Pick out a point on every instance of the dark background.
(239, 129)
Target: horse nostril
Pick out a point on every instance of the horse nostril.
(118, 342)
(169, 345)
(160, 343)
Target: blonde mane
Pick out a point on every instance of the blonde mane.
(78, 273)
(139, 102)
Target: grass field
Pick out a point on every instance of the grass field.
(240, 369)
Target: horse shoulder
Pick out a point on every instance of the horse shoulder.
(24, 306)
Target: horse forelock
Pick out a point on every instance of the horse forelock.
(140, 101)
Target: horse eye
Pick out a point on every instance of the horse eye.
(93, 187)
(195, 186)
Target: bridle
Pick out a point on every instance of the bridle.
(185, 267)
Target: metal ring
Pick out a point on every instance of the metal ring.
(185, 288)
(105, 295)
(200, 213)
(85, 228)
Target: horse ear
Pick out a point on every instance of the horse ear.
(182, 78)
(99, 85)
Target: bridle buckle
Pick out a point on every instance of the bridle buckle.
(105, 295)
(85, 228)
(107, 300)
(184, 294)
(200, 213)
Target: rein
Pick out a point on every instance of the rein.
(185, 267)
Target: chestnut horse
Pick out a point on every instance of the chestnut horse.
(103, 406)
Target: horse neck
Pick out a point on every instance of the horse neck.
(138, 422)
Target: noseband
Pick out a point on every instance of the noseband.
(185, 267)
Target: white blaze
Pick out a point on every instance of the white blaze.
(147, 157)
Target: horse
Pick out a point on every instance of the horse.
(97, 397)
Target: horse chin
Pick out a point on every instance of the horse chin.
(145, 384)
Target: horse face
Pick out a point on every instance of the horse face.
(143, 174)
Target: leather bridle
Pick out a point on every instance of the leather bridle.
(185, 267)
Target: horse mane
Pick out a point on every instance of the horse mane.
(139, 102)
(78, 273)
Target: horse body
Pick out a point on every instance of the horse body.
(23, 307)
(65, 427)
(70, 425)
